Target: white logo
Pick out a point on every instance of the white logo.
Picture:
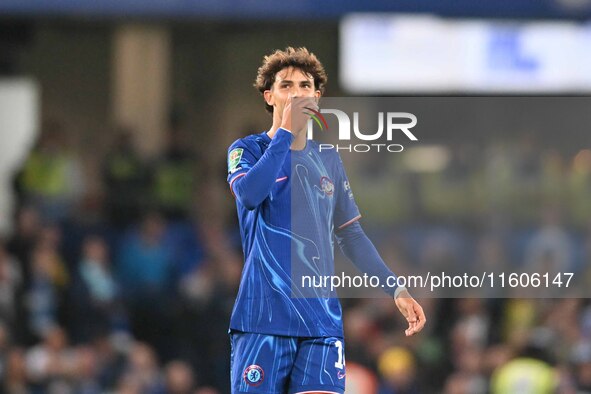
(394, 122)
(345, 125)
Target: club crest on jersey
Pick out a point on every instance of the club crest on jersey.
(254, 375)
(327, 186)
(234, 159)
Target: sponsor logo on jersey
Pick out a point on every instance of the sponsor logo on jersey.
(341, 375)
(327, 186)
(234, 159)
(254, 375)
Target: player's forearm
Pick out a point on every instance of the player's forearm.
(358, 248)
(252, 188)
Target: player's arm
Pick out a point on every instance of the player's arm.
(252, 182)
(361, 251)
(356, 246)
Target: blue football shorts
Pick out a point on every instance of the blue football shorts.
(271, 364)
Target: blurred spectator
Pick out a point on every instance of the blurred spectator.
(21, 245)
(358, 326)
(188, 252)
(519, 318)
(449, 192)
(52, 177)
(581, 359)
(146, 272)
(579, 182)
(551, 247)
(530, 372)
(524, 375)
(526, 159)
(360, 380)
(554, 180)
(126, 179)
(560, 327)
(51, 364)
(463, 383)
(179, 378)
(142, 371)
(11, 281)
(28, 228)
(14, 374)
(441, 251)
(86, 372)
(47, 289)
(96, 303)
(175, 177)
(586, 254)
(492, 256)
(206, 295)
(111, 357)
(469, 364)
(471, 325)
(469, 338)
(5, 342)
(398, 372)
(129, 384)
(144, 265)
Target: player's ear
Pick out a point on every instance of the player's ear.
(317, 94)
(268, 96)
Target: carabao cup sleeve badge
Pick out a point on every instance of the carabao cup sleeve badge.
(234, 159)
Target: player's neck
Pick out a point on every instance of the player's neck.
(299, 143)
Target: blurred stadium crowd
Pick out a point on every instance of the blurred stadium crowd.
(121, 277)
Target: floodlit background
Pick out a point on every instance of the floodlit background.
(119, 249)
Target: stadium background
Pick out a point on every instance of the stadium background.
(120, 255)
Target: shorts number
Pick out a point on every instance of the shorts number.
(340, 359)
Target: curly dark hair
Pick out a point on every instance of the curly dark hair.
(299, 58)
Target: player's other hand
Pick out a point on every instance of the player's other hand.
(412, 312)
(297, 112)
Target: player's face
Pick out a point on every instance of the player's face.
(288, 81)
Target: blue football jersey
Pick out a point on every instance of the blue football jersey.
(288, 236)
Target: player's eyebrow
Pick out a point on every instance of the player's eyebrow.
(290, 81)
